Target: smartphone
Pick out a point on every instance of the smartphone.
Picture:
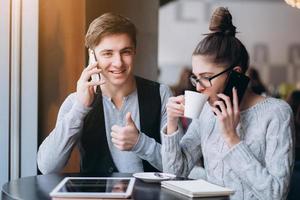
(239, 81)
(93, 59)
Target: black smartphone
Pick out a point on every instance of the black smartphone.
(239, 81)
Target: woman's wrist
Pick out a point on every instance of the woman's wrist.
(172, 126)
(232, 140)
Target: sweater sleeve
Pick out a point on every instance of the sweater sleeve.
(180, 153)
(147, 148)
(55, 150)
(270, 179)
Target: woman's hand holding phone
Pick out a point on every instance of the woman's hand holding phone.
(86, 84)
(228, 115)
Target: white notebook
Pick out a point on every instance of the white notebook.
(197, 188)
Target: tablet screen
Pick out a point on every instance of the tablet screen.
(95, 185)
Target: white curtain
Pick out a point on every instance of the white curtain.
(18, 88)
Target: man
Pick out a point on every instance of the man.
(118, 127)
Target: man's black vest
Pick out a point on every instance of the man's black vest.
(94, 151)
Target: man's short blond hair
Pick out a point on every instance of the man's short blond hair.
(109, 24)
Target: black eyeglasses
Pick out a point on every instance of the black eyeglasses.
(206, 81)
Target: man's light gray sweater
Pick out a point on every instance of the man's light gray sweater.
(55, 150)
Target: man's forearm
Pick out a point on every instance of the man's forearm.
(148, 149)
(55, 150)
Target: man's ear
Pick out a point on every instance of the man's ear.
(237, 69)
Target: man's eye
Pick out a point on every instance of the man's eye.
(107, 54)
(127, 52)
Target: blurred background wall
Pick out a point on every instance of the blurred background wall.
(270, 30)
(61, 58)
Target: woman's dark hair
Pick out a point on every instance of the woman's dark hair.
(294, 101)
(256, 84)
(221, 46)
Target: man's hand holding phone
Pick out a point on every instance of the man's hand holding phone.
(86, 84)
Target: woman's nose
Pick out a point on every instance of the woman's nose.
(199, 87)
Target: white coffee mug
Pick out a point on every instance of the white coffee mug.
(194, 102)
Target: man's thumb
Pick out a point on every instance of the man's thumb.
(129, 120)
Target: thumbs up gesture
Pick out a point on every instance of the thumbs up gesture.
(124, 138)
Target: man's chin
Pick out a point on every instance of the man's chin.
(118, 81)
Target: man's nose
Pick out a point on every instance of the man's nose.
(117, 60)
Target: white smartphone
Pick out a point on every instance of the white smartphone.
(93, 59)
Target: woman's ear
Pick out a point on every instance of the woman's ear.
(237, 69)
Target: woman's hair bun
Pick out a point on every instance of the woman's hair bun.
(221, 22)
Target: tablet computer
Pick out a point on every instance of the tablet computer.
(94, 187)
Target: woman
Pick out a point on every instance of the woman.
(248, 146)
